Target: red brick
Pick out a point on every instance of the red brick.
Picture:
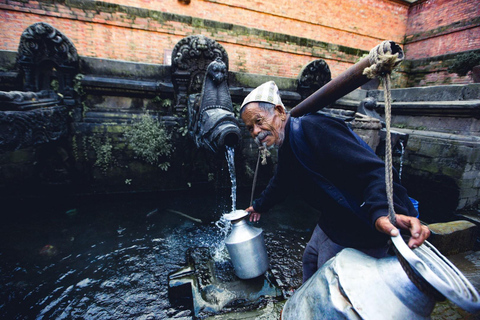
(359, 24)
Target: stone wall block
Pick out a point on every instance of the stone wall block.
(471, 174)
(453, 237)
(469, 193)
(476, 183)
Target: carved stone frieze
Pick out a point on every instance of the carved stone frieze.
(22, 129)
(312, 77)
(27, 100)
(190, 58)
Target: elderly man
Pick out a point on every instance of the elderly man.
(320, 158)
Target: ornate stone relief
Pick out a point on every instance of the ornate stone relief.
(190, 59)
(25, 129)
(312, 77)
(45, 54)
(38, 114)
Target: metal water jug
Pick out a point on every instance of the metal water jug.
(353, 285)
(246, 247)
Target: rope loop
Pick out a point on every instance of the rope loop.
(383, 59)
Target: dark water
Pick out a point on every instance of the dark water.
(109, 258)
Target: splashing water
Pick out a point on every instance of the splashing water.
(220, 253)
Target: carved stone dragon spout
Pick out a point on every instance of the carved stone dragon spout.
(212, 122)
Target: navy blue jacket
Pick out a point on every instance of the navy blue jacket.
(324, 161)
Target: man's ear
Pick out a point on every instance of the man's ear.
(280, 109)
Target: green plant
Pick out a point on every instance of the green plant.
(75, 147)
(167, 103)
(363, 56)
(77, 84)
(77, 87)
(54, 85)
(150, 140)
(157, 99)
(103, 150)
(236, 109)
(183, 130)
(464, 62)
(85, 109)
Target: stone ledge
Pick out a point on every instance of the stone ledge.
(453, 237)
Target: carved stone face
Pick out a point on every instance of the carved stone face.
(265, 127)
(217, 71)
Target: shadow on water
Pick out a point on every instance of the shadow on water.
(109, 258)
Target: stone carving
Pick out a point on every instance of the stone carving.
(190, 59)
(19, 96)
(25, 129)
(312, 77)
(38, 114)
(20, 100)
(211, 121)
(45, 54)
(370, 108)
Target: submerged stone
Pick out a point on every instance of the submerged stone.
(210, 287)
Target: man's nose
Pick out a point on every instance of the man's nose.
(256, 130)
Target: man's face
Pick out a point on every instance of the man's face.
(264, 127)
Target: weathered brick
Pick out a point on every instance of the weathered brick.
(440, 27)
(305, 21)
(318, 29)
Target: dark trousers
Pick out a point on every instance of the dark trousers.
(320, 249)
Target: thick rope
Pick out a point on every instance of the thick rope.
(382, 64)
(388, 149)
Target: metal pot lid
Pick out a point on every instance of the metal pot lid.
(235, 215)
(440, 273)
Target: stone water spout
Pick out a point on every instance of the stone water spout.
(399, 140)
(211, 121)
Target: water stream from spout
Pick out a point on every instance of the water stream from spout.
(401, 160)
(223, 224)
(230, 154)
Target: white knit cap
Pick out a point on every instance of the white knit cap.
(267, 92)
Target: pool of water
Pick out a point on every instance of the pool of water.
(109, 257)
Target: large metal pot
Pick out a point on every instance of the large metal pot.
(246, 247)
(353, 285)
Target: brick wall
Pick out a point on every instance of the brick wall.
(436, 31)
(360, 24)
(454, 42)
(428, 15)
(260, 37)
